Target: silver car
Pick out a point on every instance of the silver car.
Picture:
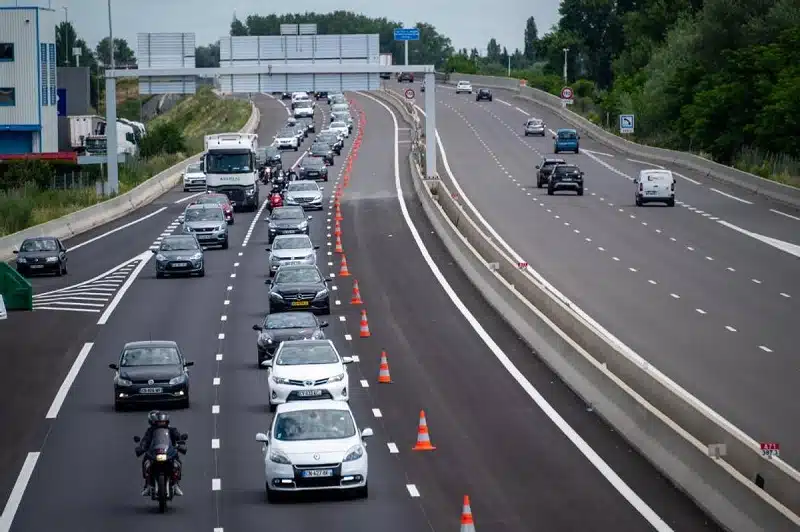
(291, 249)
(340, 108)
(194, 177)
(535, 126)
(206, 221)
(343, 116)
(307, 194)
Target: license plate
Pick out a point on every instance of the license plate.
(151, 390)
(309, 393)
(313, 174)
(179, 264)
(317, 473)
(651, 192)
(292, 263)
(37, 266)
(202, 236)
(300, 303)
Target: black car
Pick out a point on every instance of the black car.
(308, 122)
(322, 150)
(287, 221)
(41, 254)
(179, 255)
(483, 94)
(333, 140)
(313, 168)
(282, 326)
(544, 169)
(405, 76)
(285, 95)
(299, 287)
(565, 177)
(321, 95)
(151, 372)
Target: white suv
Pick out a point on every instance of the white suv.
(464, 86)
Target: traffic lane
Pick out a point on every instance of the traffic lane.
(75, 456)
(755, 212)
(476, 427)
(722, 324)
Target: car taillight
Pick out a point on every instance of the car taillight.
(641, 188)
(672, 187)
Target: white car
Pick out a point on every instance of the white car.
(340, 108)
(286, 139)
(340, 128)
(306, 369)
(303, 108)
(194, 177)
(655, 186)
(315, 445)
(464, 86)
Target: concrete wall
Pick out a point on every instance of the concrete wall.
(75, 80)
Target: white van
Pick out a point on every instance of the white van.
(655, 186)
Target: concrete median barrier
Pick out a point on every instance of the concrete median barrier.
(719, 172)
(85, 219)
(741, 490)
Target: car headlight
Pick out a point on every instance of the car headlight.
(265, 338)
(312, 256)
(324, 170)
(219, 228)
(178, 380)
(197, 256)
(272, 225)
(22, 260)
(187, 229)
(275, 295)
(279, 380)
(160, 258)
(302, 225)
(337, 378)
(318, 335)
(278, 457)
(354, 453)
(250, 191)
(52, 259)
(322, 293)
(122, 382)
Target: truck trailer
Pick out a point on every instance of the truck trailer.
(386, 60)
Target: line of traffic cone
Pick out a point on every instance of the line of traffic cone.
(343, 271)
(364, 328)
(339, 216)
(467, 524)
(423, 437)
(337, 229)
(383, 372)
(356, 299)
(339, 248)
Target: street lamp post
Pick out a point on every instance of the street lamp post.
(66, 38)
(566, 50)
(111, 112)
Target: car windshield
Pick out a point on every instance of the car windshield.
(340, 125)
(551, 163)
(204, 215)
(228, 163)
(150, 356)
(194, 168)
(179, 244)
(283, 133)
(287, 213)
(319, 148)
(39, 245)
(302, 104)
(292, 242)
(212, 200)
(567, 135)
(313, 161)
(341, 115)
(297, 275)
(567, 170)
(290, 320)
(317, 424)
(306, 353)
(302, 186)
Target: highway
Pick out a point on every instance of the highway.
(523, 468)
(707, 291)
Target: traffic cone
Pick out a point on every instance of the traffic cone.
(364, 325)
(383, 372)
(337, 229)
(467, 524)
(339, 216)
(356, 299)
(343, 271)
(339, 248)
(336, 203)
(423, 438)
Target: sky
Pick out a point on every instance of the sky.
(468, 23)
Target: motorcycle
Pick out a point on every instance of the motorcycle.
(275, 198)
(161, 465)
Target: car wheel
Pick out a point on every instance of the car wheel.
(272, 407)
(225, 244)
(159, 275)
(580, 191)
(550, 191)
(119, 407)
(526, 133)
(231, 222)
(555, 150)
(671, 202)
(202, 273)
(66, 272)
(60, 271)
(296, 148)
(490, 99)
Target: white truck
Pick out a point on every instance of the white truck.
(386, 60)
(87, 134)
(231, 167)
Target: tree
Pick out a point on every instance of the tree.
(531, 39)
(67, 39)
(238, 29)
(504, 56)
(123, 55)
(207, 56)
(493, 51)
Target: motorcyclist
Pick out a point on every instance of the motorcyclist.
(159, 420)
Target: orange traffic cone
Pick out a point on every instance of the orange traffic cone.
(339, 248)
(336, 203)
(339, 216)
(423, 438)
(364, 325)
(343, 271)
(383, 372)
(467, 524)
(337, 229)
(356, 299)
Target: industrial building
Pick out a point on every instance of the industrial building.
(28, 96)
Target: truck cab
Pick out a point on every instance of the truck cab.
(231, 168)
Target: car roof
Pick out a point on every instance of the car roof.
(656, 171)
(197, 206)
(286, 237)
(309, 343)
(568, 165)
(554, 160)
(150, 343)
(566, 130)
(314, 404)
(287, 208)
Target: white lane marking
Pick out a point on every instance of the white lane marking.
(599, 153)
(788, 247)
(377, 412)
(15, 498)
(91, 281)
(756, 281)
(219, 357)
(226, 302)
(348, 337)
(675, 296)
(392, 448)
(229, 288)
(364, 383)
(96, 311)
(257, 217)
(730, 269)
(503, 102)
(731, 196)
(765, 349)
(689, 179)
(235, 264)
(342, 318)
(112, 231)
(223, 318)
(784, 294)
(700, 311)
(233, 276)
(216, 484)
(217, 381)
(651, 281)
(221, 336)
(72, 374)
(591, 455)
(145, 258)
(215, 409)
(187, 198)
(784, 214)
(731, 329)
(337, 302)
(215, 443)
(356, 358)
(523, 111)
(412, 490)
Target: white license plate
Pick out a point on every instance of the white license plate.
(317, 473)
(179, 264)
(37, 266)
(151, 390)
(292, 262)
(309, 393)
(651, 192)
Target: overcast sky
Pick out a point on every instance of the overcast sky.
(468, 23)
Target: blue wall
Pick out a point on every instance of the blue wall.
(14, 142)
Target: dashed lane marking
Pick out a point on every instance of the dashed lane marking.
(392, 448)
(412, 490)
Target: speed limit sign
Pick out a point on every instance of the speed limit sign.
(566, 93)
(409, 94)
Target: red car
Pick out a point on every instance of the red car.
(217, 199)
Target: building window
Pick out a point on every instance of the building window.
(52, 48)
(6, 51)
(8, 97)
(43, 73)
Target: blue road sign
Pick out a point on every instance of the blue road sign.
(406, 34)
(61, 102)
(626, 123)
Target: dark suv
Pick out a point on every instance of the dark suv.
(544, 169)
(565, 177)
(406, 76)
(483, 94)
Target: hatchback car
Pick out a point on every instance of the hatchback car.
(331, 139)
(287, 221)
(207, 223)
(282, 326)
(313, 168)
(179, 255)
(343, 116)
(290, 250)
(323, 150)
(40, 255)
(534, 126)
(194, 177)
(544, 169)
(655, 186)
(314, 445)
(215, 198)
(483, 94)
(566, 140)
(341, 128)
(464, 86)
(565, 177)
(299, 287)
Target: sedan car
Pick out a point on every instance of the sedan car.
(307, 369)
(464, 86)
(565, 177)
(534, 126)
(341, 128)
(343, 116)
(331, 139)
(290, 250)
(307, 194)
(483, 94)
(207, 223)
(282, 326)
(303, 109)
(215, 198)
(151, 372)
(287, 221)
(323, 150)
(336, 97)
(299, 287)
(309, 124)
(179, 255)
(545, 168)
(286, 139)
(41, 254)
(314, 445)
(313, 168)
(405, 76)
(194, 177)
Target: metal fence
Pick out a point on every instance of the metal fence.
(73, 180)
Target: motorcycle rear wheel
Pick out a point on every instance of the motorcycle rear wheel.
(162, 493)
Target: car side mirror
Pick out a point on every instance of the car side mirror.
(257, 327)
(322, 188)
(310, 217)
(347, 360)
(15, 251)
(367, 433)
(268, 249)
(188, 364)
(266, 364)
(537, 166)
(114, 367)
(137, 439)
(268, 282)
(316, 247)
(154, 250)
(554, 137)
(323, 324)
(327, 280)
(261, 437)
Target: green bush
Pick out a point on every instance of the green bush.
(15, 174)
(164, 138)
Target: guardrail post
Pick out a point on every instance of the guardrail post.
(430, 126)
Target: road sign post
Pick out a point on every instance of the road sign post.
(566, 96)
(405, 35)
(626, 124)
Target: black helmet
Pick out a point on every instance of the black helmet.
(158, 419)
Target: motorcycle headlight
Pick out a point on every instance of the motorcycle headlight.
(279, 380)
(354, 453)
(337, 378)
(160, 258)
(177, 380)
(197, 256)
(122, 382)
(52, 259)
(322, 293)
(161, 458)
(278, 457)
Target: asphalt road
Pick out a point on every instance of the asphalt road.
(712, 307)
(493, 442)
